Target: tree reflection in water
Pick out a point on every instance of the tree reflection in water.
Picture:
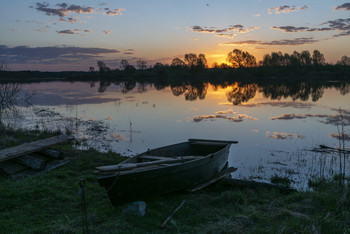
(240, 92)
(191, 91)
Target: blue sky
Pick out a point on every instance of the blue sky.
(73, 35)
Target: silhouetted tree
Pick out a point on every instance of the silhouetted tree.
(294, 59)
(221, 65)
(141, 64)
(191, 60)
(177, 63)
(318, 58)
(102, 66)
(129, 68)
(240, 59)
(91, 69)
(124, 64)
(344, 61)
(276, 59)
(201, 61)
(305, 58)
(158, 66)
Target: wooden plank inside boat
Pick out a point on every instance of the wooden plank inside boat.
(129, 166)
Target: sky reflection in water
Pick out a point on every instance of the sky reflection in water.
(274, 124)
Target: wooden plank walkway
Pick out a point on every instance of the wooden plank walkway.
(31, 147)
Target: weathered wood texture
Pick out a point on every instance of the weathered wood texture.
(31, 147)
(129, 166)
(11, 168)
(51, 153)
(34, 161)
(30, 172)
(194, 141)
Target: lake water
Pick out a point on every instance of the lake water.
(275, 124)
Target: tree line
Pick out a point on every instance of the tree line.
(235, 59)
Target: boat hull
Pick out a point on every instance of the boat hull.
(126, 187)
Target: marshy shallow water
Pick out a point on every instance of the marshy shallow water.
(276, 124)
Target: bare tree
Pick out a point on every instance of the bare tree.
(3, 66)
(8, 94)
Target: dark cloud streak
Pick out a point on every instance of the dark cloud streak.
(286, 9)
(63, 9)
(342, 25)
(345, 7)
(282, 42)
(51, 55)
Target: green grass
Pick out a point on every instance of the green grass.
(49, 203)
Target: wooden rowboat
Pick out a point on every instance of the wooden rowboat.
(164, 170)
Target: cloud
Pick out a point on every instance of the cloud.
(342, 25)
(52, 55)
(236, 28)
(345, 7)
(106, 32)
(284, 135)
(73, 32)
(346, 136)
(115, 12)
(68, 31)
(326, 119)
(224, 32)
(286, 9)
(226, 35)
(52, 99)
(62, 9)
(282, 42)
(224, 115)
(300, 105)
(225, 112)
(65, 11)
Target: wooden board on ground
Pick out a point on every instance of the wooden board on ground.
(11, 168)
(50, 166)
(31, 147)
(34, 161)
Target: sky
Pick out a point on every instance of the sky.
(71, 35)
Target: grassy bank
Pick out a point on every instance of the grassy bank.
(49, 203)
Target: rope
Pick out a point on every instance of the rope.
(114, 182)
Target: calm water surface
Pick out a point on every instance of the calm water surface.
(276, 125)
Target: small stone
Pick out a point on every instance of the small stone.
(135, 208)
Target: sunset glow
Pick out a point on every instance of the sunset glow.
(73, 35)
